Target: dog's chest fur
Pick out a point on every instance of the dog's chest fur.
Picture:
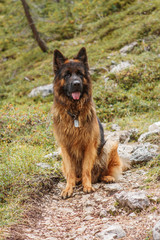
(75, 138)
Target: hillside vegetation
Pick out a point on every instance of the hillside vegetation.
(130, 98)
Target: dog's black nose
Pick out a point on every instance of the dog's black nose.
(76, 83)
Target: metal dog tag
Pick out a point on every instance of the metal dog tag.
(76, 123)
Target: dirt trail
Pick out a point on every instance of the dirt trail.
(84, 216)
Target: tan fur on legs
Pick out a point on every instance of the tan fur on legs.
(69, 172)
(88, 162)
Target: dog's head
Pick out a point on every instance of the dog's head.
(72, 79)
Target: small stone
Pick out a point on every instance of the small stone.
(154, 198)
(132, 215)
(125, 151)
(51, 238)
(44, 91)
(27, 79)
(88, 218)
(111, 232)
(52, 155)
(115, 127)
(98, 197)
(113, 62)
(128, 48)
(135, 186)
(120, 67)
(88, 203)
(156, 231)
(103, 213)
(143, 153)
(112, 210)
(43, 165)
(154, 126)
(81, 229)
(96, 186)
(88, 210)
(147, 135)
(134, 200)
(112, 187)
(61, 185)
(124, 137)
(128, 136)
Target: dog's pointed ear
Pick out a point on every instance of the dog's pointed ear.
(82, 56)
(58, 60)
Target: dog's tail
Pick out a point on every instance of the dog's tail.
(112, 148)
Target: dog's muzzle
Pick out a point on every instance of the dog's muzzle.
(76, 89)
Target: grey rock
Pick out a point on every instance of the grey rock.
(156, 231)
(146, 135)
(88, 203)
(154, 126)
(96, 186)
(112, 210)
(61, 185)
(92, 70)
(143, 153)
(81, 229)
(98, 197)
(134, 200)
(111, 232)
(27, 79)
(112, 187)
(43, 165)
(128, 48)
(51, 238)
(154, 198)
(132, 215)
(106, 236)
(88, 218)
(120, 67)
(125, 151)
(44, 91)
(115, 127)
(122, 136)
(103, 213)
(112, 135)
(126, 136)
(113, 62)
(88, 210)
(52, 155)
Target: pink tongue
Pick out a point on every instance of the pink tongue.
(76, 95)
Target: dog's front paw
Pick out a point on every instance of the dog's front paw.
(88, 189)
(67, 192)
(108, 179)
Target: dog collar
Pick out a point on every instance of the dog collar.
(75, 118)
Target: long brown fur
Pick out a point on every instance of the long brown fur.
(81, 160)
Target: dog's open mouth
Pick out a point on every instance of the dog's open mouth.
(76, 95)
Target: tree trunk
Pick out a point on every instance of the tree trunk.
(40, 42)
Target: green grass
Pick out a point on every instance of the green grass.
(129, 98)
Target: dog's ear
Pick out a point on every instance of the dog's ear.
(82, 56)
(58, 60)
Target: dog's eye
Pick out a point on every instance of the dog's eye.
(80, 73)
(67, 75)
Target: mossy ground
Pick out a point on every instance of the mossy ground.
(129, 98)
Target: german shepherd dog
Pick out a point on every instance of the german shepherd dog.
(87, 157)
